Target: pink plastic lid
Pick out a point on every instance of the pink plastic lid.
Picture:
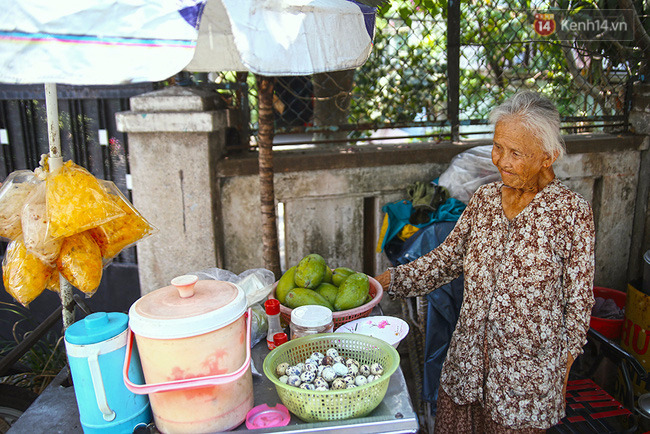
(189, 307)
(264, 416)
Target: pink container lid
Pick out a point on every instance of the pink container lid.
(188, 307)
(264, 416)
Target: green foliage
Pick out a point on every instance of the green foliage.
(405, 78)
(43, 361)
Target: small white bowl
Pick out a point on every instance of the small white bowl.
(387, 328)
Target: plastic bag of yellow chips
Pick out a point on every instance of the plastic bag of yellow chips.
(54, 284)
(23, 274)
(36, 234)
(15, 189)
(122, 232)
(76, 201)
(80, 262)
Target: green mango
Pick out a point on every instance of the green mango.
(285, 284)
(352, 292)
(340, 274)
(303, 296)
(328, 291)
(328, 276)
(310, 271)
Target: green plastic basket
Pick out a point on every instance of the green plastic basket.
(312, 405)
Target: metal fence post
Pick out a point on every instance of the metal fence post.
(453, 67)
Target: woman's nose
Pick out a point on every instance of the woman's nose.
(504, 159)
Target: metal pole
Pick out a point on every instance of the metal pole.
(453, 67)
(56, 161)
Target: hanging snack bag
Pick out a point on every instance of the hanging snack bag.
(76, 201)
(36, 235)
(122, 232)
(23, 274)
(80, 262)
(15, 189)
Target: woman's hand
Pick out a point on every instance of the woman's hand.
(568, 369)
(384, 279)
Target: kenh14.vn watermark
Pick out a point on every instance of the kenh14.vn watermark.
(584, 25)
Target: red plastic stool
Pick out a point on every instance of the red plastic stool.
(589, 409)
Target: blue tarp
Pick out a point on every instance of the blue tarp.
(400, 211)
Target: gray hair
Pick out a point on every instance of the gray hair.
(538, 115)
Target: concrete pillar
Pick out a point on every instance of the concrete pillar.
(176, 135)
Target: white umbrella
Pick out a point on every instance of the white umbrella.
(95, 42)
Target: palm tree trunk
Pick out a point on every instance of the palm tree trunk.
(270, 253)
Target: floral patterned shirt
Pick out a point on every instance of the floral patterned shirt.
(526, 304)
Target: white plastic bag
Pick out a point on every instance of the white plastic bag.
(257, 284)
(468, 171)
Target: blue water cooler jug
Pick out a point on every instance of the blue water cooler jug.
(96, 346)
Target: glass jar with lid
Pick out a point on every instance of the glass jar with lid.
(309, 320)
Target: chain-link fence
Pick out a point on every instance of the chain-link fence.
(437, 68)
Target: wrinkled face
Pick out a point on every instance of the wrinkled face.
(518, 155)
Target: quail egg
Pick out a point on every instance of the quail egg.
(307, 386)
(340, 369)
(300, 366)
(281, 369)
(328, 360)
(360, 380)
(329, 374)
(339, 383)
(283, 379)
(376, 369)
(293, 380)
(353, 369)
(322, 389)
(320, 382)
(339, 359)
(293, 370)
(371, 378)
(317, 356)
(364, 370)
(311, 367)
(350, 362)
(332, 352)
(307, 377)
(349, 380)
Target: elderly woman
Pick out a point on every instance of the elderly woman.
(526, 247)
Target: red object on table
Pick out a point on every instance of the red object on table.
(280, 338)
(610, 328)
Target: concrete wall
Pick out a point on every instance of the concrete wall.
(324, 209)
(330, 200)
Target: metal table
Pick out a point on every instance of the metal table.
(55, 410)
(395, 414)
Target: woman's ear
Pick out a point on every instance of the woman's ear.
(549, 159)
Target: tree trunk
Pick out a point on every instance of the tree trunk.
(332, 102)
(271, 253)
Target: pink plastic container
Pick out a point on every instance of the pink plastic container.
(193, 339)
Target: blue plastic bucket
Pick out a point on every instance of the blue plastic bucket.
(96, 348)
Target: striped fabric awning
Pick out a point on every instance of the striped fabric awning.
(126, 41)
